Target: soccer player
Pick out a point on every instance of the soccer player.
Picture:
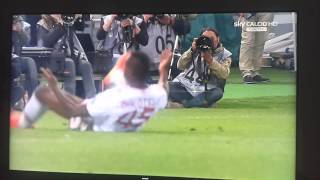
(124, 107)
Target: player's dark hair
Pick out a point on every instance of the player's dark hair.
(137, 67)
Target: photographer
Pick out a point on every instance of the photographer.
(117, 31)
(21, 65)
(206, 66)
(53, 32)
(162, 30)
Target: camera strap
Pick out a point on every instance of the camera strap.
(202, 70)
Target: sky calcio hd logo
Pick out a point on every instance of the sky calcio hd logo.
(259, 26)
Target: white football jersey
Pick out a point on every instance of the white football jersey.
(160, 37)
(124, 108)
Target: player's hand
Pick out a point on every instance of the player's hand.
(207, 57)
(165, 58)
(52, 80)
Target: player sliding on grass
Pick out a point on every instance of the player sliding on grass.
(124, 107)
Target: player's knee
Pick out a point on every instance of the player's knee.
(219, 92)
(69, 64)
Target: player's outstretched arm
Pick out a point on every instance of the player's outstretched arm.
(70, 105)
(165, 59)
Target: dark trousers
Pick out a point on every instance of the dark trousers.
(26, 66)
(178, 93)
(84, 69)
(17, 89)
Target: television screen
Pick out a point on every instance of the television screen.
(190, 95)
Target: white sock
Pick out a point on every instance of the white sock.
(32, 112)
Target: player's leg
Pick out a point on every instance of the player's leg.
(42, 99)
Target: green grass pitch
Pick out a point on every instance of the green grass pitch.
(250, 134)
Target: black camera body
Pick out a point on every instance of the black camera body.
(68, 18)
(128, 30)
(127, 34)
(203, 44)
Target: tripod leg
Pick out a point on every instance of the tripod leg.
(124, 47)
(174, 52)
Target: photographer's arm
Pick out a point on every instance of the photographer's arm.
(21, 33)
(101, 34)
(185, 58)
(27, 32)
(24, 37)
(141, 33)
(105, 26)
(51, 38)
(221, 70)
(107, 22)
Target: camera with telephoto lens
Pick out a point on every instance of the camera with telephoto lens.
(203, 44)
(68, 18)
(127, 31)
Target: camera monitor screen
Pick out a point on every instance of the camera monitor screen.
(205, 96)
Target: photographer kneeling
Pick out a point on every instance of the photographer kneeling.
(206, 66)
(53, 32)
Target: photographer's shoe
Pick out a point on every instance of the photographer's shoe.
(248, 80)
(259, 79)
